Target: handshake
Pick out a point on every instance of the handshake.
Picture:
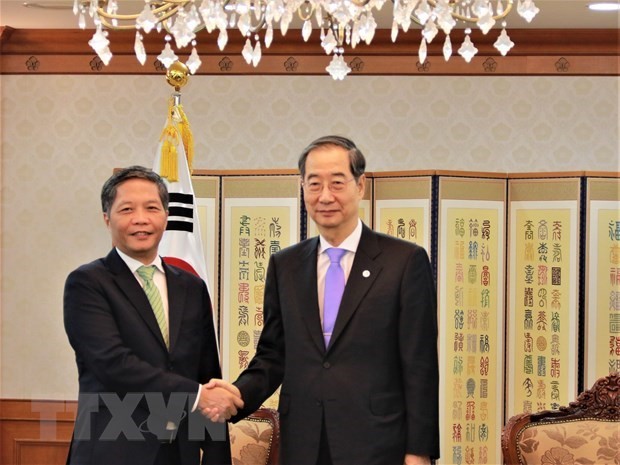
(219, 400)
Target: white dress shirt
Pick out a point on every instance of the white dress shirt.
(346, 262)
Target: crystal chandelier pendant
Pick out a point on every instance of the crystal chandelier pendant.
(499, 9)
(244, 24)
(394, 34)
(167, 56)
(138, 48)
(341, 22)
(422, 51)
(222, 39)
(467, 50)
(99, 43)
(194, 61)
(338, 68)
(256, 54)
(268, 36)
(527, 10)
(447, 48)
(306, 30)
(430, 31)
(503, 43)
(182, 30)
(329, 43)
(486, 22)
(147, 19)
(423, 13)
(82, 21)
(247, 51)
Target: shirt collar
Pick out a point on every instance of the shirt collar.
(350, 243)
(134, 264)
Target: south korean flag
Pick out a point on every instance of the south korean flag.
(181, 244)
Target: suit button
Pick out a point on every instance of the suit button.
(326, 365)
(318, 403)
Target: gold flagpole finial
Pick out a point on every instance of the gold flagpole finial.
(177, 128)
(177, 75)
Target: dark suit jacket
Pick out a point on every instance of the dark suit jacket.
(376, 385)
(120, 351)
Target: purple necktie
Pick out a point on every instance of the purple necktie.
(334, 287)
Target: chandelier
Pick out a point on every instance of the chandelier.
(340, 22)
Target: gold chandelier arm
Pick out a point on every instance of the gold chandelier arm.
(467, 19)
(261, 21)
(171, 6)
(360, 3)
(305, 16)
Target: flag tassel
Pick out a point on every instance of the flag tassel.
(177, 130)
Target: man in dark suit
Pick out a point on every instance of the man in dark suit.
(144, 343)
(365, 391)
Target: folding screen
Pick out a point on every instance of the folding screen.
(471, 280)
(543, 292)
(602, 299)
(402, 208)
(260, 216)
(207, 193)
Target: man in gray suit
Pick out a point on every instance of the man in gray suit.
(144, 343)
(361, 389)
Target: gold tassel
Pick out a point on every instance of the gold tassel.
(187, 137)
(177, 127)
(169, 156)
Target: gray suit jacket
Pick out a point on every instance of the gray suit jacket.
(376, 385)
(120, 352)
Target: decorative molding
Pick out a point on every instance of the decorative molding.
(560, 52)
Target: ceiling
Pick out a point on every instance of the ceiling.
(561, 14)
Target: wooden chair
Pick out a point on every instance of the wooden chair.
(255, 440)
(585, 432)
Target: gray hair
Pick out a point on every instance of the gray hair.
(357, 162)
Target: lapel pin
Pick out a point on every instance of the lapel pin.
(365, 273)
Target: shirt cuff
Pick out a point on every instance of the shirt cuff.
(197, 398)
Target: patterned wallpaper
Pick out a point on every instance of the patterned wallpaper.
(63, 135)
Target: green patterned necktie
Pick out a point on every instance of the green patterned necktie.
(152, 293)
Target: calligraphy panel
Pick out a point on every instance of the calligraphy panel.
(402, 208)
(602, 355)
(260, 217)
(471, 319)
(543, 294)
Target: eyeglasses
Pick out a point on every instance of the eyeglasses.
(316, 187)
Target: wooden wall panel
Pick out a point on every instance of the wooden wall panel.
(35, 432)
(561, 52)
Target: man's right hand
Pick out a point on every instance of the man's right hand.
(219, 400)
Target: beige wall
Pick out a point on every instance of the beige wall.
(63, 135)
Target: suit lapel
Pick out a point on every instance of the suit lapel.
(364, 272)
(129, 285)
(176, 302)
(306, 286)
